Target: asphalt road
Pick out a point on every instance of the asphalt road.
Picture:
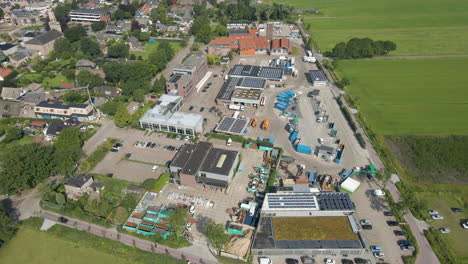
(125, 239)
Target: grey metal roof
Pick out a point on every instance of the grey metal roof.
(197, 157)
(45, 38)
(316, 75)
(182, 155)
(77, 181)
(60, 106)
(219, 161)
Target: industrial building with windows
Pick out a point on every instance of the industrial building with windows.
(187, 75)
(201, 164)
(164, 116)
(90, 15)
(299, 222)
(241, 90)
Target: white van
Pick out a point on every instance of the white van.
(155, 167)
(229, 142)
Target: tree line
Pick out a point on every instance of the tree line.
(361, 48)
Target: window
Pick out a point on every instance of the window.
(203, 175)
(180, 131)
(164, 127)
(51, 110)
(189, 131)
(38, 109)
(172, 129)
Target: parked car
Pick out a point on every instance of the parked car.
(307, 260)
(212, 109)
(187, 138)
(346, 261)
(375, 248)
(365, 222)
(398, 233)
(265, 260)
(387, 213)
(153, 145)
(128, 155)
(465, 225)
(136, 143)
(63, 219)
(379, 254)
(444, 230)
(292, 261)
(329, 261)
(190, 108)
(405, 245)
(202, 109)
(433, 212)
(407, 248)
(321, 140)
(393, 223)
(379, 192)
(361, 261)
(148, 144)
(367, 227)
(114, 150)
(437, 217)
(456, 210)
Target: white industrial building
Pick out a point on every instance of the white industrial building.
(164, 115)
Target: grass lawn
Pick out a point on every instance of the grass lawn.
(150, 47)
(419, 27)
(31, 246)
(46, 82)
(442, 201)
(313, 228)
(410, 96)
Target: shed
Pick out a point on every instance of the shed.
(350, 185)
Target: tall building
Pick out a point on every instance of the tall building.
(90, 15)
(187, 75)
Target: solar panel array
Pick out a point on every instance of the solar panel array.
(228, 88)
(230, 125)
(291, 201)
(335, 201)
(253, 83)
(271, 73)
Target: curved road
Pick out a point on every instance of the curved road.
(125, 239)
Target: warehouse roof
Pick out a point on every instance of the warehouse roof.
(267, 73)
(231, 83)
(219, 161)
(196, 158)
(45, 38)
(247, 94)
(316, 75)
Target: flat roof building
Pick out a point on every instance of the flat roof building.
(202, 164)
(317, 78)
(62, 111)
(164, 116)
(316, 224)
(187, 75)
(90, 15)
(242, 85)
(257, 72)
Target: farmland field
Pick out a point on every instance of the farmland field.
(417, 27)
(313, 228)
(410, 96)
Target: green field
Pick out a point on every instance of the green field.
(419, 27)
(410, 96)
(150, 47)
(31, 246)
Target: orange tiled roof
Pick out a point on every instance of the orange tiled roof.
(145, 8)
(229, 40)
(253, 43)
(280, 43)
(5, 72)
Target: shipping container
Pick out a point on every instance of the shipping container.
(303, 149)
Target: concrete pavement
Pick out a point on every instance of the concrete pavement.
(132, 241)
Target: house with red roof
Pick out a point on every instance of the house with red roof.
(4, 72)
(281, 47)
(245, 44)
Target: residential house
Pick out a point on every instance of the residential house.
(13, 93)
(134, 44)
(21, 17)
(120, 27)
(30, 35)
(77, 186)
(8, 48)
(107, 91)
(33, 98)
(4, 72)
(68, 86)
(85, 65)
(38, 124)
(202, 164)
(22, 56)
(54, 128)
(10, 109)
(160, 27)
(281, 47)
(57, 110)
(44, 43)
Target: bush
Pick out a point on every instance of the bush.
(272, 180)
(441, 247)
(349, 118)
(361, 140)
(148, 184)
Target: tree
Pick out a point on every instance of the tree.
(119, 14)
(90, 47)
(74, 97)
(210, 59)
(67, 151)
(75, 33)
(178, 219)
(87, 78)
(12, 134)
(62, 45)
(2, 14)
(389, 46)
(8, 227)
(204, 34)
(339, 51)
(216, 235)
(118, 50)
(98, 26)
(159, 85)
(122, 117)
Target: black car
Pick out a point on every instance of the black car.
(153, 145)
(128, 155)
(392, 223)
(387, 213)
(367, 227)
(190, 108)
(212, 109)
(347, 261)
(63, 219)
(202, 109)
(360, 261)
(402, 243)
(209, 84)
(398, 233)
(292, 261)
(110, 175)
(216, 75)
(456, 210)
(148, 144)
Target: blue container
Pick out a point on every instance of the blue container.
(303, 149)
(293, 137)
(260, 138)
(271, 140)
(280, 108)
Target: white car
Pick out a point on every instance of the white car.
(379, 254)
(465, 225)
(321, 140)
(329, 261)
(265, 260)
(365, 222)
(319, 120)
(433, 212)
(379, 192)
(444, 230)
(437, 217)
